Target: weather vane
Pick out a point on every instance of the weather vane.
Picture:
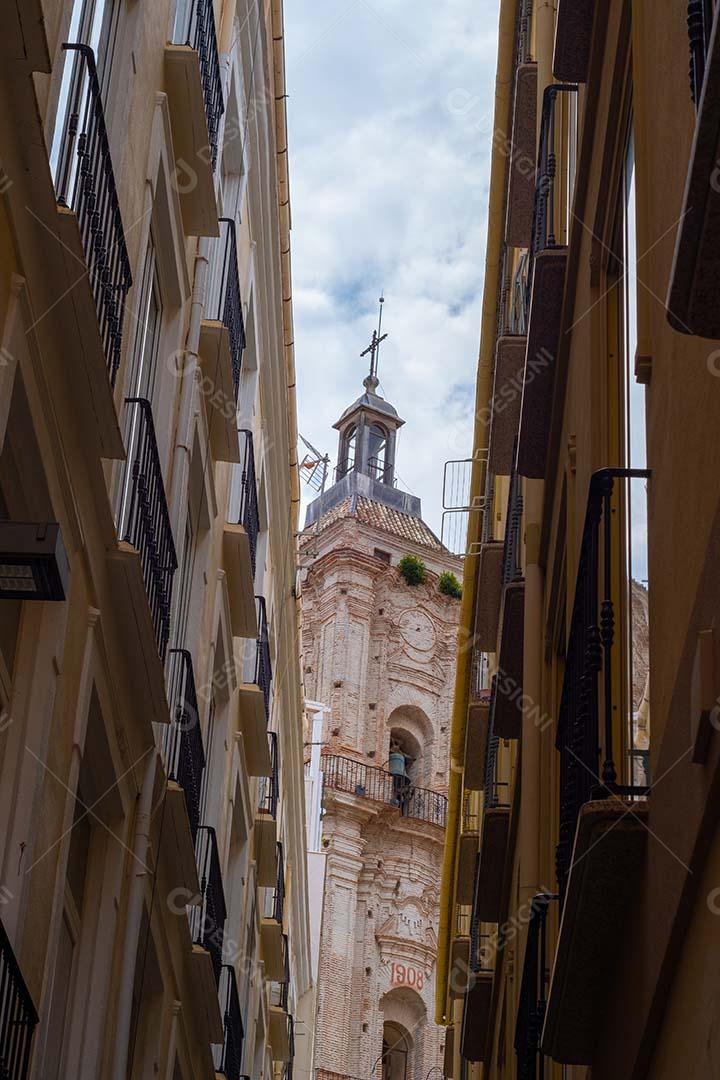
(373, 349)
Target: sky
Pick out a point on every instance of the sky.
(390, 113)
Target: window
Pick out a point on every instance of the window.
(95, 23)
(146, 1019)
(249, 369)
(64, 976)
(208, 744)
(383, 556)
(147, 334)
(186, 580)
(24, 496)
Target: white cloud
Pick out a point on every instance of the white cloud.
(389, 142)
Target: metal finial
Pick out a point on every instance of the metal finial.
(373, 350)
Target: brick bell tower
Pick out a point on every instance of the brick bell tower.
(379, 654)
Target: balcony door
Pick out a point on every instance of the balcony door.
(142, 381)
(95, 23)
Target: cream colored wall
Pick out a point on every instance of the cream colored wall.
(66, 650)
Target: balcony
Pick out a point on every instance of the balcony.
(487, 613)
(495, 831)
(222, 342)
(478, 1000)
(376, 785)
(533, 989)
(240, 546)
(91, 233)
(18, 1017)
(265, 843)
(467, 853)
(143, 565)
(448, 1066)
(507, 684)
(459, 966)
(281, 1031)
(476, 732)
(573, 37)
(207, 929)
(181, 747)
(228, 1061)
(506, 398)
(272, 939)
(602, 836)
(521, 179)
(546, 284)
(195, 96)
(254, 695)
(693, 296)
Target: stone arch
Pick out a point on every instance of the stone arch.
(412, 729)
(404, 1017)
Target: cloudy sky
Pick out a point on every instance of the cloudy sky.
(389, 113)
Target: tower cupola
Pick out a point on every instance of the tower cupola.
(368, 428)
(367, 447)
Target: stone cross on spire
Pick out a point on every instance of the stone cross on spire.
(371, 381)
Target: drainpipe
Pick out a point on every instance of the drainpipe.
(135, 901)
(189, 368)
(528, 842)
(283, 179)
(483, 393)
(544, 17)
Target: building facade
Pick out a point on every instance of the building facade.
(378, 656)
(153, 885)
(586, 698)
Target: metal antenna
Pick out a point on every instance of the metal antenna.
(373, 349)
(314, 467)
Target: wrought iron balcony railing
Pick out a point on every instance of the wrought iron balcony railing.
(480, 948)
(145, 518)
(544, 234)
(195, 28)
(462, 922)
(224, 302)
(269, 786)
(371, 782)
(85, 183)
(258, 667)
(518, 314)
(423, 804)
(378, 470)
(470, 817)
(479, 683)
(278, 898)
(181, 742)
(18, 1017)
(592, 674)
(230, 1057)
(533, 994)
(280, 989)
(291, 1039)
(497, 791)
(512, 566)
(207, 920)
(544, 225)
(699, 24)
(249, 516)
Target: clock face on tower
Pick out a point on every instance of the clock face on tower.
(417, 631)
